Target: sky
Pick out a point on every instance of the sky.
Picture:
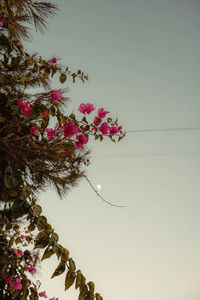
(142, 57)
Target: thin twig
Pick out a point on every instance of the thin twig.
(111, 204)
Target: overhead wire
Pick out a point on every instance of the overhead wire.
(170, 129)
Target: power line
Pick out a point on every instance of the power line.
(146, 154)
(163, 129)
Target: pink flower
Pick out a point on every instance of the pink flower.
(15, 136)
(43, 294)
(104, 128)
(119, 128)
(97, 121)
(19, 252)
(50, 132)
(17, 284)
(25, 107)
(31, 270)
(78, 145)
(34, 131)
(1, 22)
(89, 108)
(54, 60)
(60, 127)
(102, 113)
(56, 95)
(45, 113)
(19, 102)
(86, 108)
(82, 108)
(82, 139)
(70, 129)
(113, 130)
(8, 280)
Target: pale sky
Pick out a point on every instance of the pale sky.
(142, 57)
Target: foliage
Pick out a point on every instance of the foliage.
(33, 155)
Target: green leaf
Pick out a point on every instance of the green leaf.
(78, 279)
(91, 287)
(11, 179)
(59, 270)
(63, 78)
(42, 223)
(37, 209)
(47, 253)
(72, 116)
(65, 255)
(42, 240)
(69, 280)
(72, 266)
(58, 250)
(52, 111)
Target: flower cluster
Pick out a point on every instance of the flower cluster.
(86, 108)
(25, 107)
(56, 95)
(16, 284)
(73, 129)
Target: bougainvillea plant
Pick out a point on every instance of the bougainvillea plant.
(41, 143)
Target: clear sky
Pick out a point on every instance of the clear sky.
(142, 57)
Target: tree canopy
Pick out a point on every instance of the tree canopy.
(41, 144)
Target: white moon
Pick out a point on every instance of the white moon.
(99, 186)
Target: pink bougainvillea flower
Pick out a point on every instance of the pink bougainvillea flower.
(70, 129)
(25, 107)
(113, 130)
(60, 127)
(54, 60)
(56, 95)
(8, 280)
(86, 108)
(89, 108)
(82, 139)
(82, 108)
(34, 131)
(19, 102)
(31, 270)
(43, 294)
(19, 252)
(51, 133)
(1, 22)
(102, 113)
(97, 121)
(17, 284)
(104, 128)
(45, 113)
(78, 145)
(119, 128)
